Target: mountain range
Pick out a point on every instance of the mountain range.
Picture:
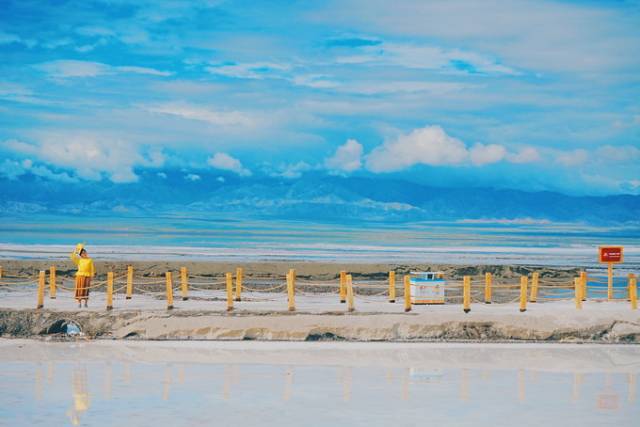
(313, 196)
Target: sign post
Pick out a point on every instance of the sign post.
(610, 255)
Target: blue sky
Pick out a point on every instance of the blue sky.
(533, 95)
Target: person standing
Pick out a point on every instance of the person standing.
(86, 270)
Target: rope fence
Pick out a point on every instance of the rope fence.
(530, 289)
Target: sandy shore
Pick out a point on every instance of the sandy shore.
(539, 357)
(326, 319)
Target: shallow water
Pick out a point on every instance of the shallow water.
(287, 384)
(231, 238)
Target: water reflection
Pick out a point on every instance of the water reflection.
(108, 380)
(201, 388)
(288, 384)
(80, 394)
(575, 391)
(166, 382)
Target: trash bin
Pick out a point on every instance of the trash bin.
(427, 287)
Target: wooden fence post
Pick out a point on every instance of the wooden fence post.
(239, 272)
(291, 290)
(633, 290)
(40, 290)
(488, 281)
(583, 283)
(523, 293)
(52, 282)
(343, 287)
(578, 293)
(184, 283)
(229, 278)
(466, 294)
(392, 286)
(407, 293)
(350, 303)
(110, 290)
(129, 282)
(169, 290)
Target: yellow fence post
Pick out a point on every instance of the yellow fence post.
(578, 293)
(466, 294)
(583, 283)
(407, 293)
(169, 290)
(291, 290)
(610, 282)
(630, 278)
(523, 293)
(488, 280)
(350, 306)
(229, 277)
(52, 282)
(239, 284)
(184, 283)
(129, 281)
(535, 281)
(392, 286)
(40, 289)
(343, 287)
(110, 290)
(633, 291)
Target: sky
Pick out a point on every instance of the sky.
(530, 95)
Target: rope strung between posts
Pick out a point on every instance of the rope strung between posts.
(197, 288)
(35, 282)
(279, 286)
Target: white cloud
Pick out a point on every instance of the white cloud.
(485, 154)
(73, 68)
(89, 155)
(293, 170)
(372, 87)
(192, 177)
(524, 155)
(618, 154)
(193, 112)
(555, 36)
(161, 175)
(429, 145)
(347, 158)
(143, 70)
(426, 57)
(315, 81)
(432, 146)
(572, 158)
(12, 169)
(253, 70)
(224, 161)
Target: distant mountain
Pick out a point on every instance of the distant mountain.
(317, 197)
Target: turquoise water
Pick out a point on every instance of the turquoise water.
(236, 238)
(292, 384)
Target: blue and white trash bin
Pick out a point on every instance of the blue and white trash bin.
(427, 287)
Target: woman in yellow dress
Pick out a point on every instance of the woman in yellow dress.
(86, 270)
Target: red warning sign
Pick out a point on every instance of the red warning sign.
(611, 254)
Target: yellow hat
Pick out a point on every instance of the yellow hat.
(79, 247)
